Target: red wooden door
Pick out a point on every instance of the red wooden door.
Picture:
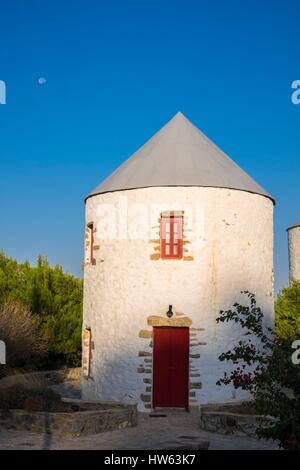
(170, 367)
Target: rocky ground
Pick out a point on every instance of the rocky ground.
(171, 431)
(175, 430)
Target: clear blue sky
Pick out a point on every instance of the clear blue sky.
(115, 72)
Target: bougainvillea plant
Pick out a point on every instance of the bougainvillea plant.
(263, 366)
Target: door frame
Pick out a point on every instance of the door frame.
(187, 407)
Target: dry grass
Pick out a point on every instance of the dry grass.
(34, 399)
(19, 330)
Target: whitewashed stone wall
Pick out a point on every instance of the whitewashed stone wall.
(128, 283)
(294, 252)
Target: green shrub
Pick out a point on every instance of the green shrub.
(19, 329)
(264, 367)
(54, 298)
(287, 312)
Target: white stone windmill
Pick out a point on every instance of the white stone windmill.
(294, 250)
(172, 237)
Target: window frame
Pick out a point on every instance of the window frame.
(90, 248)
(87, 352)
(169, 243)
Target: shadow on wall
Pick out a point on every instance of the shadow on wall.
(127, 375)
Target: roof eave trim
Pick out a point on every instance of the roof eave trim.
(293, 226)
(182, 186)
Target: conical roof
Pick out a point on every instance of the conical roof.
(296, 224)
(179, 155)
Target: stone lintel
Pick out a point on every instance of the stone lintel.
(165, 321)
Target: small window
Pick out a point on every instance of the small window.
(89, 243)
(171, 233)
(87, 352)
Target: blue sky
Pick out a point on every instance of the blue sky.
(115, 73)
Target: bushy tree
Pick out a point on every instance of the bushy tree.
(54, 298)
(263, 366)
(287, 312)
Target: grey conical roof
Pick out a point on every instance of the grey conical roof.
(179, 155)
(296, 224)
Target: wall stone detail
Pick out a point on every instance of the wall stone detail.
(146, 398)
(145, 334)
(145, 354)
(196, 385)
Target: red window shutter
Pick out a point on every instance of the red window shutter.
(163, 236)
(179, 235)
(171, 237)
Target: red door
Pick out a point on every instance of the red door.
(170, 367)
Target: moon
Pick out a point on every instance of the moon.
(42, 81)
